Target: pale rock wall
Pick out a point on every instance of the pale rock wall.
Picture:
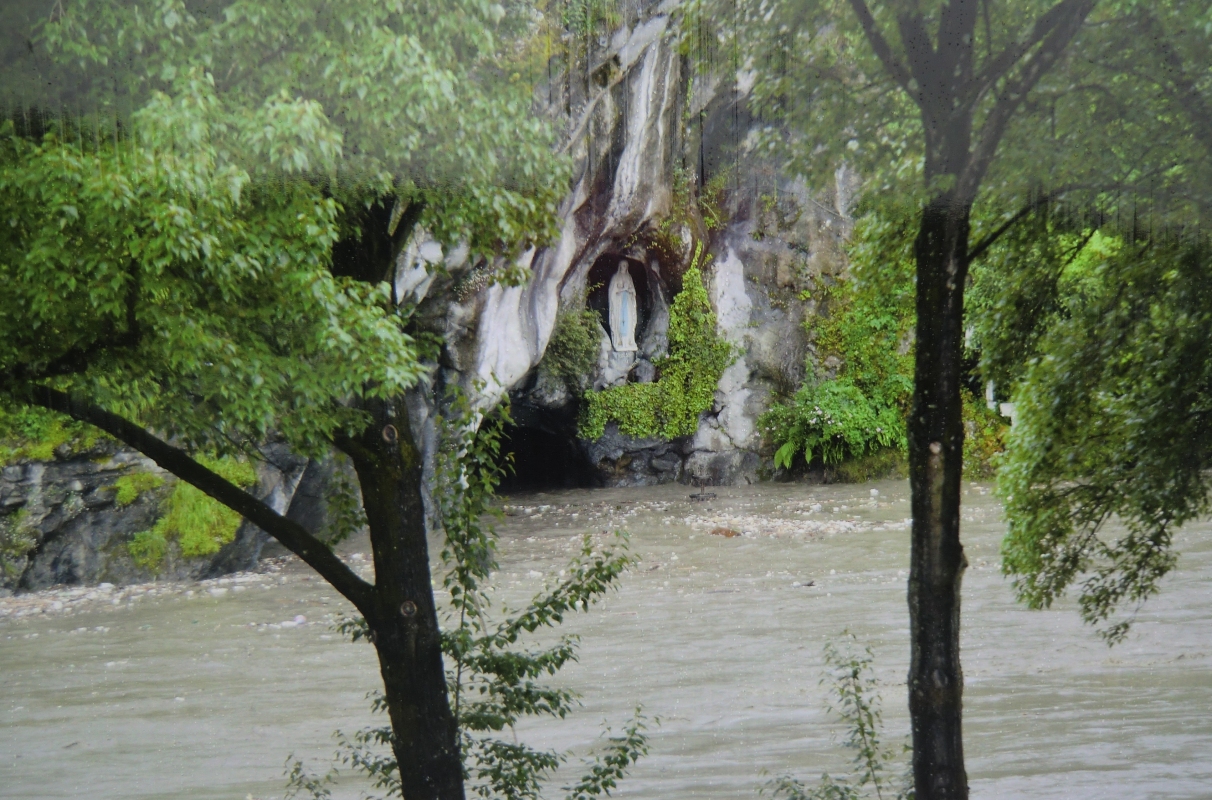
(626, 138)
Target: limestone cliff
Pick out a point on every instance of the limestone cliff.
(661, 163)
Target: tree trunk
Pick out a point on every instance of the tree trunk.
(405, 626)
(935, 464)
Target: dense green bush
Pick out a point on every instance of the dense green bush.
(573, 349)
(864, 321)
(670, 406)
(854, 421)
(132, 485)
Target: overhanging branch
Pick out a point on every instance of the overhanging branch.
(882, 49)
(1071, 15)
(292, 535)
(988, 241)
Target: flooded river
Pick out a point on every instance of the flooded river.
(203, 691)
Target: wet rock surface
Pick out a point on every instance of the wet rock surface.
(73, 531)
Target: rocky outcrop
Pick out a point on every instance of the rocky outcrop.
(636, 121)
(61, 522)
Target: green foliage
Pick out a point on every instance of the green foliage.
(129, 487)
(712, 198)
(855, 421)
(493, 682)
(610, 766)
(198, 524)
(583, 17)
(149, 549)
(832, 420)
(372, 99)
(16, 541)
(699, 209)
(864, 322)
(670, 406)
(168, 252)
(856, 702)
(1038, 271)
(985, 433)
(573, 350)
(666, 238)
(301, 782)
(1111, 448)
(147, 262)
(34, 434)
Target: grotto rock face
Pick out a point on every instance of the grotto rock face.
(635, 122)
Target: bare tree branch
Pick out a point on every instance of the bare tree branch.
(1048, 53)
(882, 49)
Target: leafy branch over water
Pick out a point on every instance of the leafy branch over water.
(493, 679)
(856, 702)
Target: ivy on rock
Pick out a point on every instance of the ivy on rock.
(669, 407)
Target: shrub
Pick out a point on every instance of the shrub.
(16, 541)
(128, 488)
(573, 349)
(832, 420)
(864, 322)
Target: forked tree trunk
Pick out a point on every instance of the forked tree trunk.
(937, 562)
(405, 627)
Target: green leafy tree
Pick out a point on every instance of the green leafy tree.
(1113, 428)
(204, 203)
(921, 99)
(1101, 336)
(1016, 109)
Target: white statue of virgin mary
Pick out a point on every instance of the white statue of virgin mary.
(622, 310)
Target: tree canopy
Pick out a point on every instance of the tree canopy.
(206, 202)
(176, 175)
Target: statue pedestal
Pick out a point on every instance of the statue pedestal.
(617, 366)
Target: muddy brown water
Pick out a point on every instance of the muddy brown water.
(204, 696)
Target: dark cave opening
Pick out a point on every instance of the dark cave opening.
(543, 459)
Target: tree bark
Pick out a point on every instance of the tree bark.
(935, 470)
(404, 626)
